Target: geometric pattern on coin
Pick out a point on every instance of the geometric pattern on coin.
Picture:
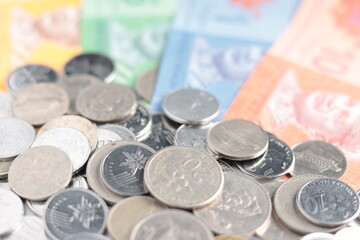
(75, 210)
(11, 211)
(171, 224)
(318, 157)
(145, 84)
(184, 177)
(31, 228)
(193, 136)
(123, 132)
(237, 140)
(191, 106)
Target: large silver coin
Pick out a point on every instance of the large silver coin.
(318, 157)
(171, 224)
(126, 214)
(106, 136)
(318, 236)
(5, 103)
(40, 172)
(184, 177)
(192, 135)
(39, 103)
(191, 106)
(328, 202)
(31, 228)
(145, 84)
(87, 236)
(75, 210)
(237, 140)
(70, 140)
(107, 102)
(242, 208)
(16, 136)
(12, 211)
(123, 132)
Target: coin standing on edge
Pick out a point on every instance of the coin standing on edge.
(145, 84)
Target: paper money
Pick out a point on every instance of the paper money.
(307, 86)
(213, 45)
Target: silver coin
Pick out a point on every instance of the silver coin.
(87, 236)
(271, 186)
(16, 136)
(241, 209)
(74, 210)
(39, 103)
(106, 136)
(12, 211)
(27, 75)
(5, 184)
(4, 168)
(122, 170)
(170, 124)
(225, 167)
(171, 224)
(145, 84)
(123, 132)
(107, 102)
(192, 135)
(191, 106)
(70, 140)
(94, 64)
(237, 140)
(184, 177)
(230, 237)
(318, 157)
(318, 236)
(328, 202)
(31, 228)
(5, 103)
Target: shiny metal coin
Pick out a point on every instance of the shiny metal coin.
(107, 102)
(12, 211)
(170, 124)
(242, 208)
(94, 64)
(318, 236)
(237, 140)
(123, 132)
(87, 236)
(106, 136)
(328, 202)
(225, 167)
(229, 237)
(145, 84)
(184, 177)
(75, 210)
(349, 233)
(191, 106)
(129, 212)
(31, 228)
(5, 103)
(318, 157)
(171, 224)
(192, 136)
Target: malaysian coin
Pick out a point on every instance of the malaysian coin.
(126, 214)
(27, 75)
(31, 228)
(271, 186)
(94, 64)
(74, 210)
(123, 132)
(12, 211)
(237, 140)
(47, 168)
(318, 236)
(5, 103)
(170, 124)
(107, 102)
(145, 84)
(39, 103)
(318, 157)
(225, 167)
(87, 236)
(16, 136)
(349, 233)
(70, 140)
(240, 210)
(328, 202)
(122, 170)
(184, 177)
(106, 136)
(4, 168)
(192, 135)
(191, 106)
(171, 224)
(229, 237)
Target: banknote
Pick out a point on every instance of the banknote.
(33, 31)
(308, 85)
(214, 45)
(131, 32)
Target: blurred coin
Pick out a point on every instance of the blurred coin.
(225, 167)
(31, 228)
(271, 186)
(5, 103)
(4, 168)
(192, 135)
(318, 157)
(349, 233)
(318, 236)
(229, 237)
(170, 124)
(358, 193)
(145, 84)
(5, 184)
(123, 132)
(87, 236)
(12, 211)
(106, 136)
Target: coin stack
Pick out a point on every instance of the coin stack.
(100, 165)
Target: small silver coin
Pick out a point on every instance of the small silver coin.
(94, 64)
(145, 84)
(27, 75)
(171, 224)
(318, 236)
(192, 135)
(12, 211)
(237, 140)
(225, 167)
(191, 106)
(106, 136)
(5, 103)
(318, 157)
(31, 228)
(87, 236)
(328, 202)
(123, 132)
(122, 170)
(75, 210)
(16, 136)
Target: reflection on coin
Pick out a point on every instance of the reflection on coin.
(106, 136)
(170, 224)
(123, 132)
(87, 236)
(229, 237)
(40, 172)
(74, 210)
(318, 236)
(349, 233)
(5, 103)
(192, 135)
(31, 228)
(241, 208)
(237, 140)
(191, 106)
(40, 103)
(145, 84)
(318, 157)
(184, 177)
(4, 168)
(12, 211)
(129, 212)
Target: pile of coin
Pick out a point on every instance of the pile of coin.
(100, 165)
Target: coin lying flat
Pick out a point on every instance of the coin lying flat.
(318, 236)
(145, 84)
(31, 228)
(5, 103)
(124, 133)
(12, 211)
(106, 136)
(271, 186)
(87, 236)
(171, 224)
(318, 157)
(192, 135)
(349, 233)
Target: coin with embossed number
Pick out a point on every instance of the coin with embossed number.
(192, 135)
(318, 157)
(123, 132)
(145, 84)
(11, 211)
(31, 228)
(318, 236)
(87, 236)
(5, 103)
(171, 224)
(106, 136)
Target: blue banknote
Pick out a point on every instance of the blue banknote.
(214, 45)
